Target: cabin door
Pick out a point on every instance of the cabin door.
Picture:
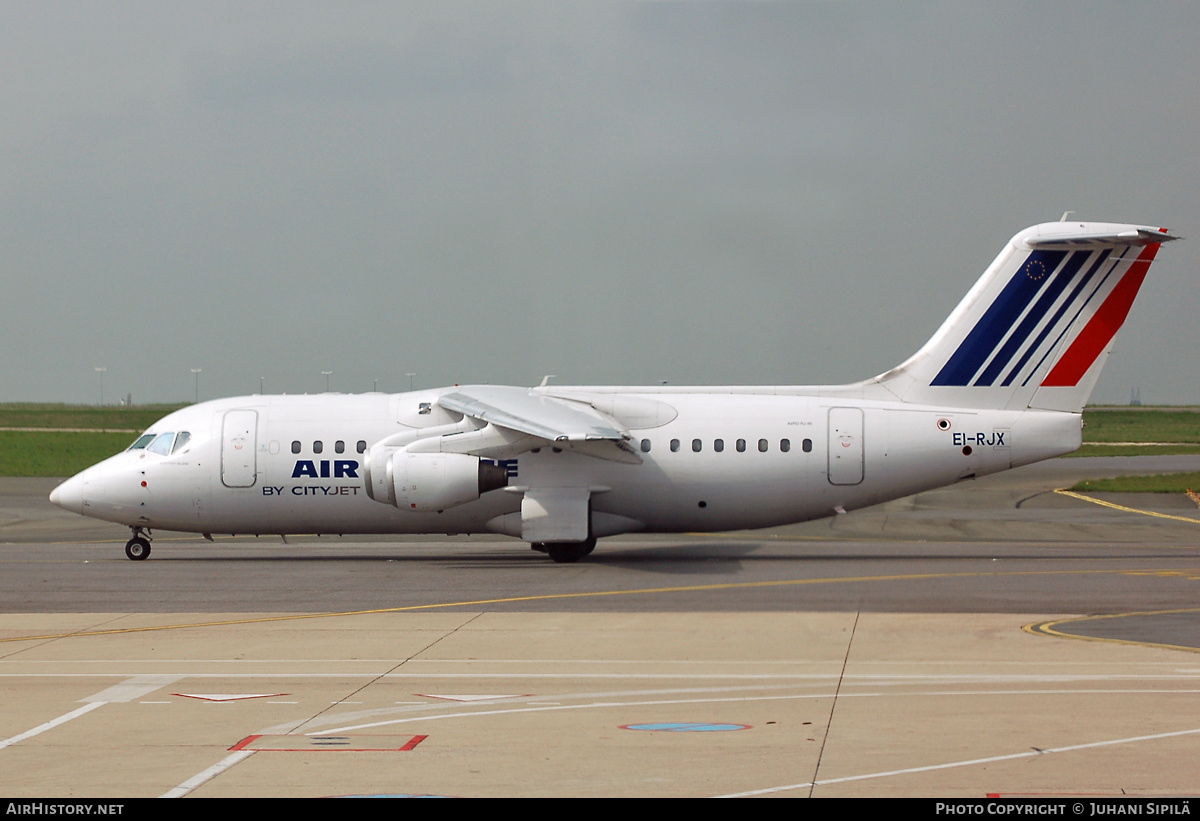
(239, 441)
(845, 446)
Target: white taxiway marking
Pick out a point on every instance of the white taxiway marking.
(611, 701)
(224, 697)
(537, 709)
(474, 698)
(133, 688)
(41, 728)
(824, 782)
(213, 771)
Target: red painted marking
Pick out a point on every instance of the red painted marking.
(226, 698)
(248, 742)
(1103, 326)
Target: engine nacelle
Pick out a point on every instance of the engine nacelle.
(431, 481)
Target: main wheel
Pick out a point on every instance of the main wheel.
(565, 552)
(568, 552)
(137, 549)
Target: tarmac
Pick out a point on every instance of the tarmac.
(992, 639)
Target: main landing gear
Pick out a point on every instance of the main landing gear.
(137, 548)
(566, 552)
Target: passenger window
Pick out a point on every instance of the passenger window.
(645, 446)
(718, 445)
(785, 445)
(674, 446)
(806, 446)
(339, 446)
(362, 445)
(180, 440)
(296, 446)
(318, 447)
(762, 445)
(696, 445)
(741, 446)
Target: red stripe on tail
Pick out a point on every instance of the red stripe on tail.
(1102, 327)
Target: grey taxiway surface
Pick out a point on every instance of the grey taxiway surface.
(991, 638)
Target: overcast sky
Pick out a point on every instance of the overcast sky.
(616, 193)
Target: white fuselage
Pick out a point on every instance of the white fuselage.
(1001, 383)
(741, 459)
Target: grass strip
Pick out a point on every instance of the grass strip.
(56, 453)
(1150, 425)
(108, 417)
(1162, 483)
(1169, 449)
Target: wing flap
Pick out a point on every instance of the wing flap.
(561, 422)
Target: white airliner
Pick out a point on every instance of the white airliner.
(1002, 383)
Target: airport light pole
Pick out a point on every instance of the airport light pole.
(196, 374)
(410, 376)
(326, 374)
(261, 379)
(101, 372)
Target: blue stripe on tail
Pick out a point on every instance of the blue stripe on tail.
(1001, 315)
(1070, 300)
(1013, 344)
(999, 318)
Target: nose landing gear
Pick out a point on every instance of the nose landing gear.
(137, 548)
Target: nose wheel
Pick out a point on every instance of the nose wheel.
(138, 548)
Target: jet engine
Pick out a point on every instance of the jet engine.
(430, 481)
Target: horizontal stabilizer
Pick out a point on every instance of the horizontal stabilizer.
(1046, 237)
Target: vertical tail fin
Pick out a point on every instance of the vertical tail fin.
(1037, 327)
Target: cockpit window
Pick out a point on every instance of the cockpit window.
(161, 443)
(142, 441)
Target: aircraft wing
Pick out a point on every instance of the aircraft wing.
(560, 422)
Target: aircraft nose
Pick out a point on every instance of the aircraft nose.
(69, 495)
